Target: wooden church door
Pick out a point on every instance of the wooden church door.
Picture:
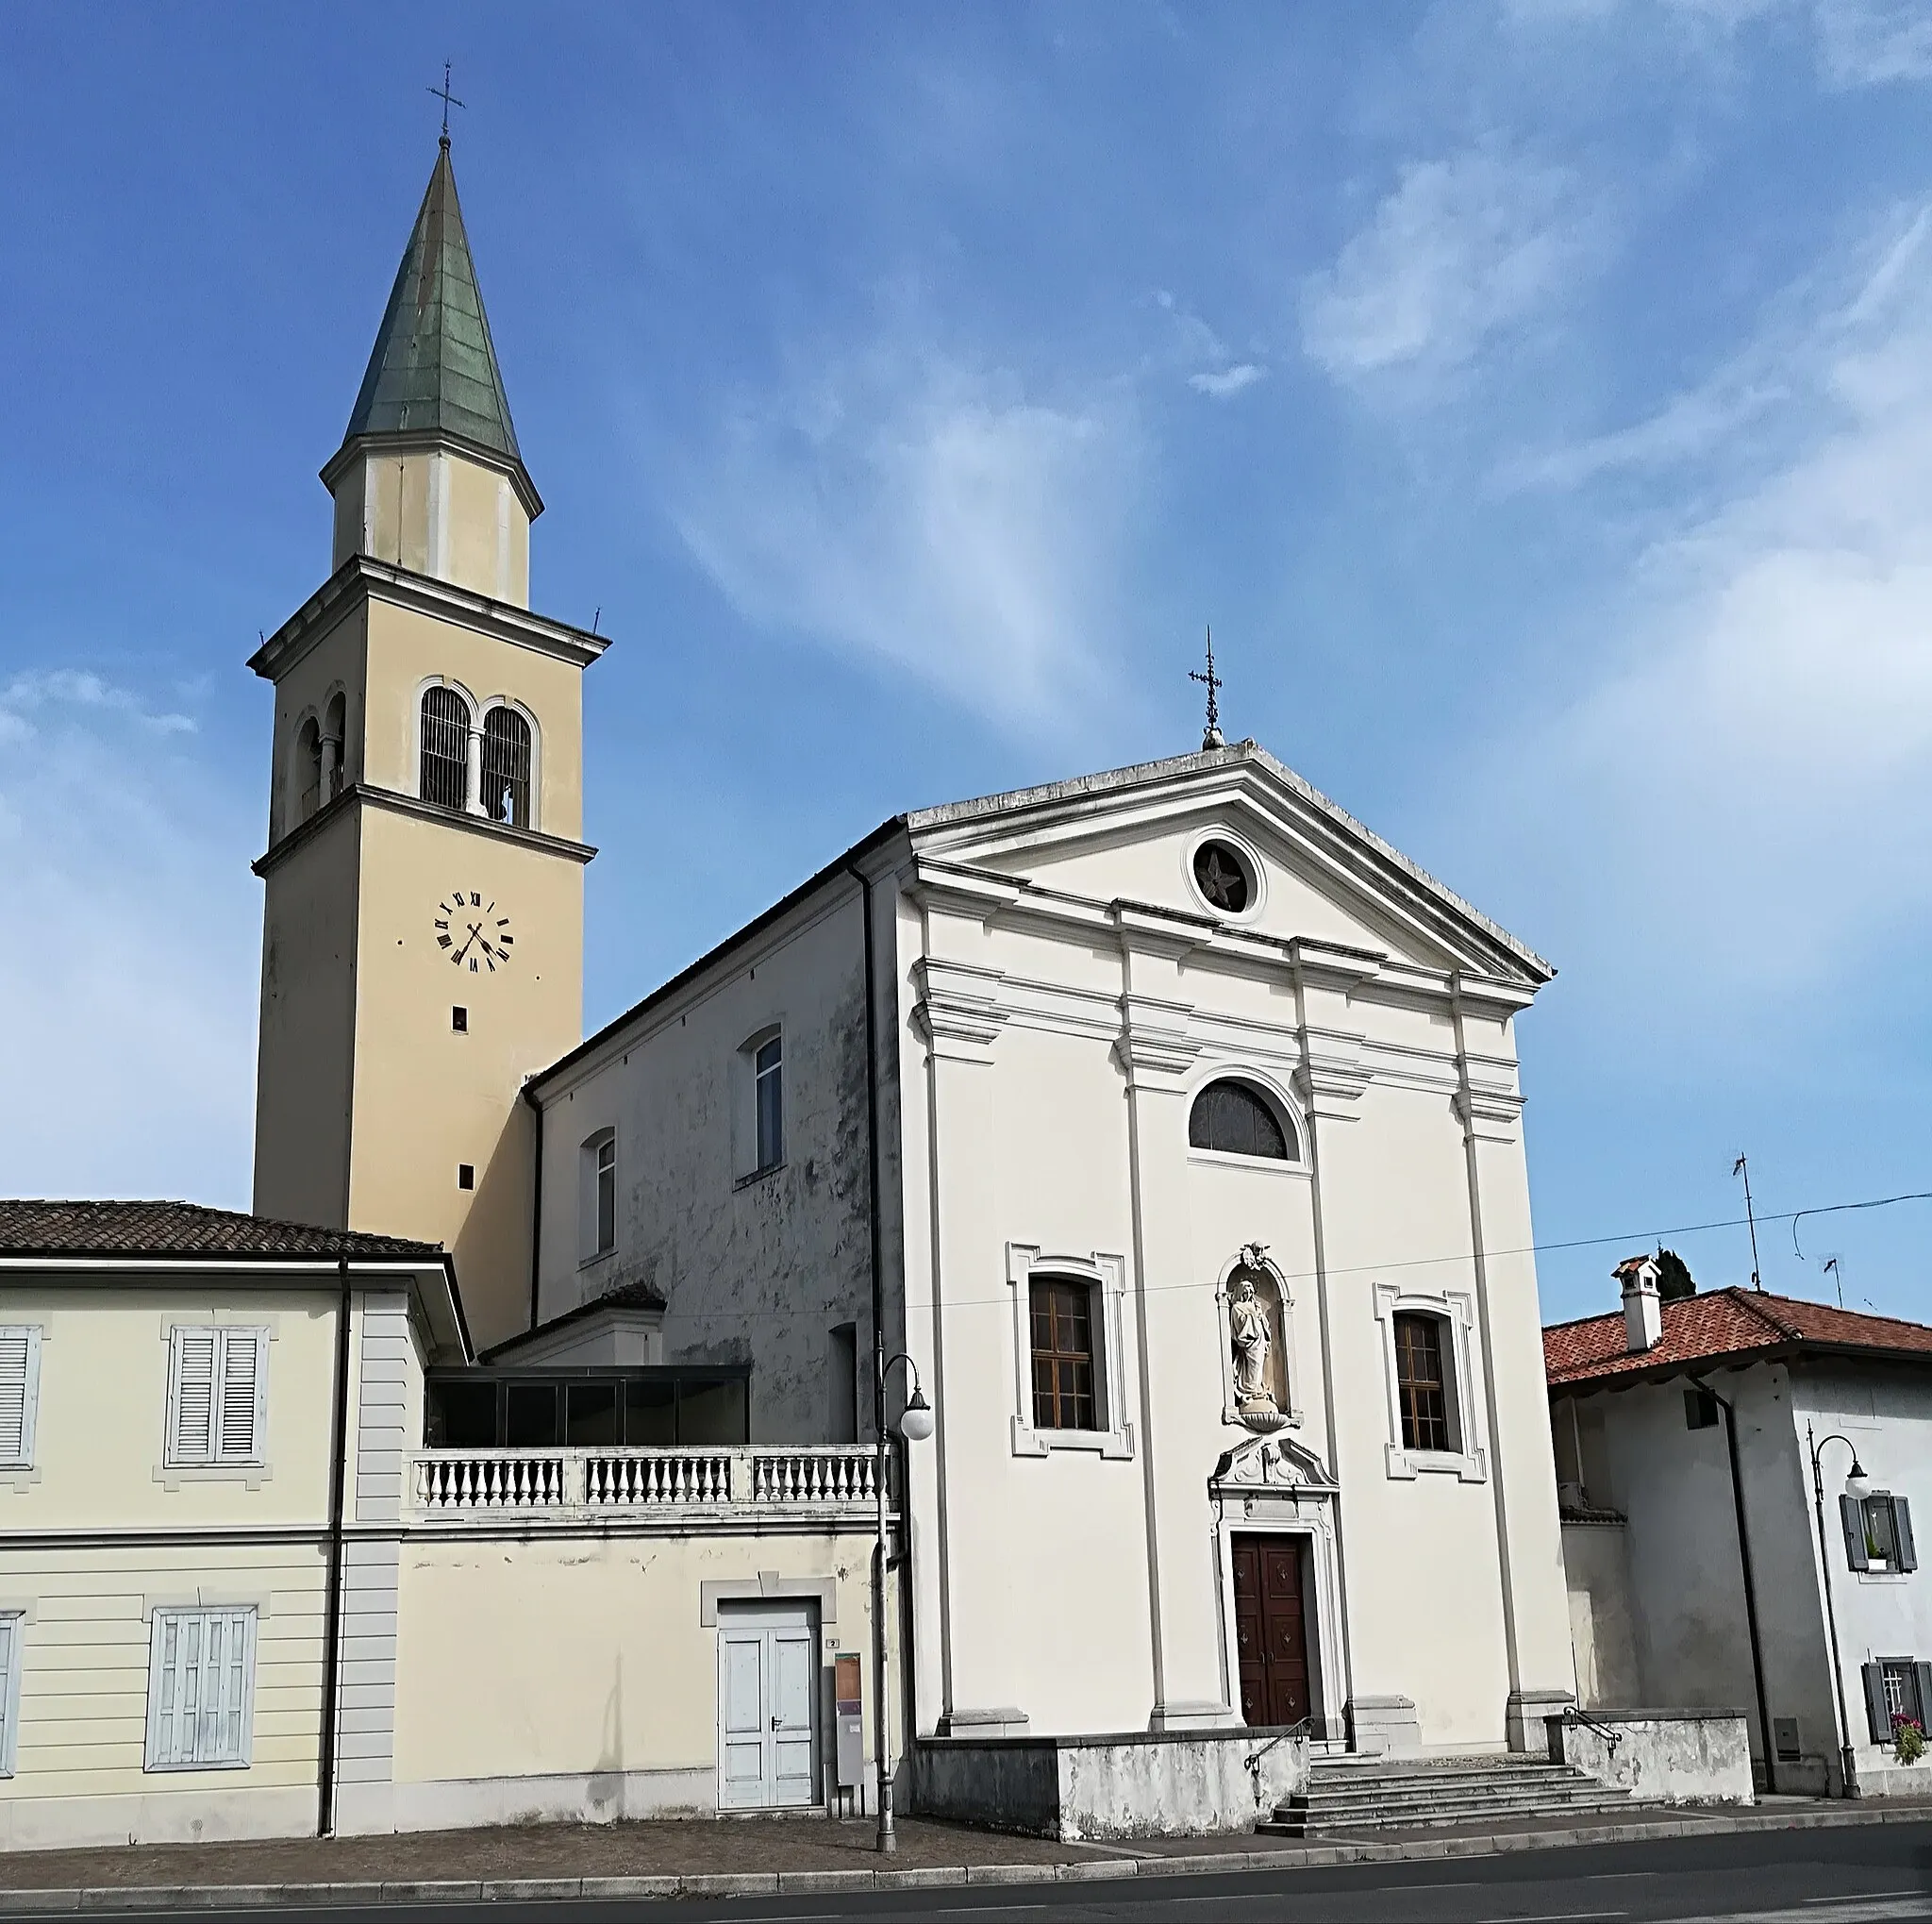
(1270, 1633)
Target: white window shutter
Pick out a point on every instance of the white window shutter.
(191, 1395)
(9, 1689)
(201, 1691)
(19, 1371)
(240, 1408)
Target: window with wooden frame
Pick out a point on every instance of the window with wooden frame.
(216, 1395)
(1878, 1533)
(1229, 1118)
(768, 1103)
(1422, 1385)
(1065, 1393)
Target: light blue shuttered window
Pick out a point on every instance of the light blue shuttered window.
(201, 1689)
(20, 1386)
(216, 1390)
(10, 1622)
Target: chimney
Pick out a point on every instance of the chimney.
(1644, 1315)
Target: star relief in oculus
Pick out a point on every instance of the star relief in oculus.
(473, 933)
(1220, 874)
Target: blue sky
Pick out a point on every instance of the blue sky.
(1536, 396)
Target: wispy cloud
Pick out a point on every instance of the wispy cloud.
(916, 508)
(1222, 383)
(1476, 246)
(1872, 43)
(137, 939)
(1753, 770)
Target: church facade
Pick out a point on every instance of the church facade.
(1159, 1130)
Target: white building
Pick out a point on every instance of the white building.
(1709, 1564)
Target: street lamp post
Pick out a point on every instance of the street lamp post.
(915, 1425)
(1857, 1488)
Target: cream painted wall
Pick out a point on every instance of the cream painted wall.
(304, 1070)
(487, 1688)
(83, 1697)
(100, 1434)
(437, 513)
(429, 1099)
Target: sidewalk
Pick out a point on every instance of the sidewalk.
(748, 1857)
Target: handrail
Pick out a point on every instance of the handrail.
(1294, 1734)
(1574, 1714)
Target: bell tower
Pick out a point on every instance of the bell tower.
(422, 931)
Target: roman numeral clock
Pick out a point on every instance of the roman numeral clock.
(471, 933)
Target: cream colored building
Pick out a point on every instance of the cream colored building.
(1155, 1123)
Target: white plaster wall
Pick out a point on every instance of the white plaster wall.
(1603, 1616)
(1036, 1108)
(754, 1270)
(1887, 1414)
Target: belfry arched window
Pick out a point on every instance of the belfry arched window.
(445, 742)
(335, 729)
(308, 795)
(1235, 1120)
(506, 768)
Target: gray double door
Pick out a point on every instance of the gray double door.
(768, 1672)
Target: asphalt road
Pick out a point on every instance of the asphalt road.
(1877, 1874)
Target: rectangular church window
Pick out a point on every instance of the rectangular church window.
(1062, 1319)
(1422, 1389)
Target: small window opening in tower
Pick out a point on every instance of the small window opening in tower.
(459, 1019)
(506, 768)
(445, 780)
(466, 1175)
(308, 767)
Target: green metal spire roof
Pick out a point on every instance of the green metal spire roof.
(434, 370)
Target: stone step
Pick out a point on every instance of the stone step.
(1284, 1824)
(1372, 1795)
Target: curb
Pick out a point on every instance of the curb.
(238, 1896)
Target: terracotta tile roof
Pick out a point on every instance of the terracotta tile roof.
(1725, 1322)
(34, 1228)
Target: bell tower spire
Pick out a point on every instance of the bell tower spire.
(422, 931)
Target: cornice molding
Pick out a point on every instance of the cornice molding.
(362, 793)
(1333, 1075)
(1155, 1048)
(958, 1011)
(1489, 1102)
(361, 579)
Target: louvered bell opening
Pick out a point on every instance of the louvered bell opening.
(445, 748)
(506, 768)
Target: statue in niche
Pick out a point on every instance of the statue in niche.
(1251, 1330)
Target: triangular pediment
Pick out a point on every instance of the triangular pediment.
(1130, 835)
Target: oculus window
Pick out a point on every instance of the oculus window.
(1222, 876)
(1233, 1119)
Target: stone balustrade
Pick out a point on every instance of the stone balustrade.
(575, 1483)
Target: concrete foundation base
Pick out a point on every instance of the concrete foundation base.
(1142, 1783)
(1674, 1756)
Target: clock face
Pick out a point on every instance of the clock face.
(474, 932)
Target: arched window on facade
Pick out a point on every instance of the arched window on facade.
(307, 769)
(446, 739)
(334, 736)
(506, 768)
(1235, 1120)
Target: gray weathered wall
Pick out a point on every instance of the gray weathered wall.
(1675, 1757)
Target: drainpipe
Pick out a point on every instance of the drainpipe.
(875, 1241)
(1724, 1404)
(536, 1207)
(332, 1608)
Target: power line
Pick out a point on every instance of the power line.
(1459, 1257)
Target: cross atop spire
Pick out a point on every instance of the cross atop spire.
(1210, 735)
(434, 371)
(448, 99)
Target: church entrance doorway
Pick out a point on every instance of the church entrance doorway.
(1271, 1631)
